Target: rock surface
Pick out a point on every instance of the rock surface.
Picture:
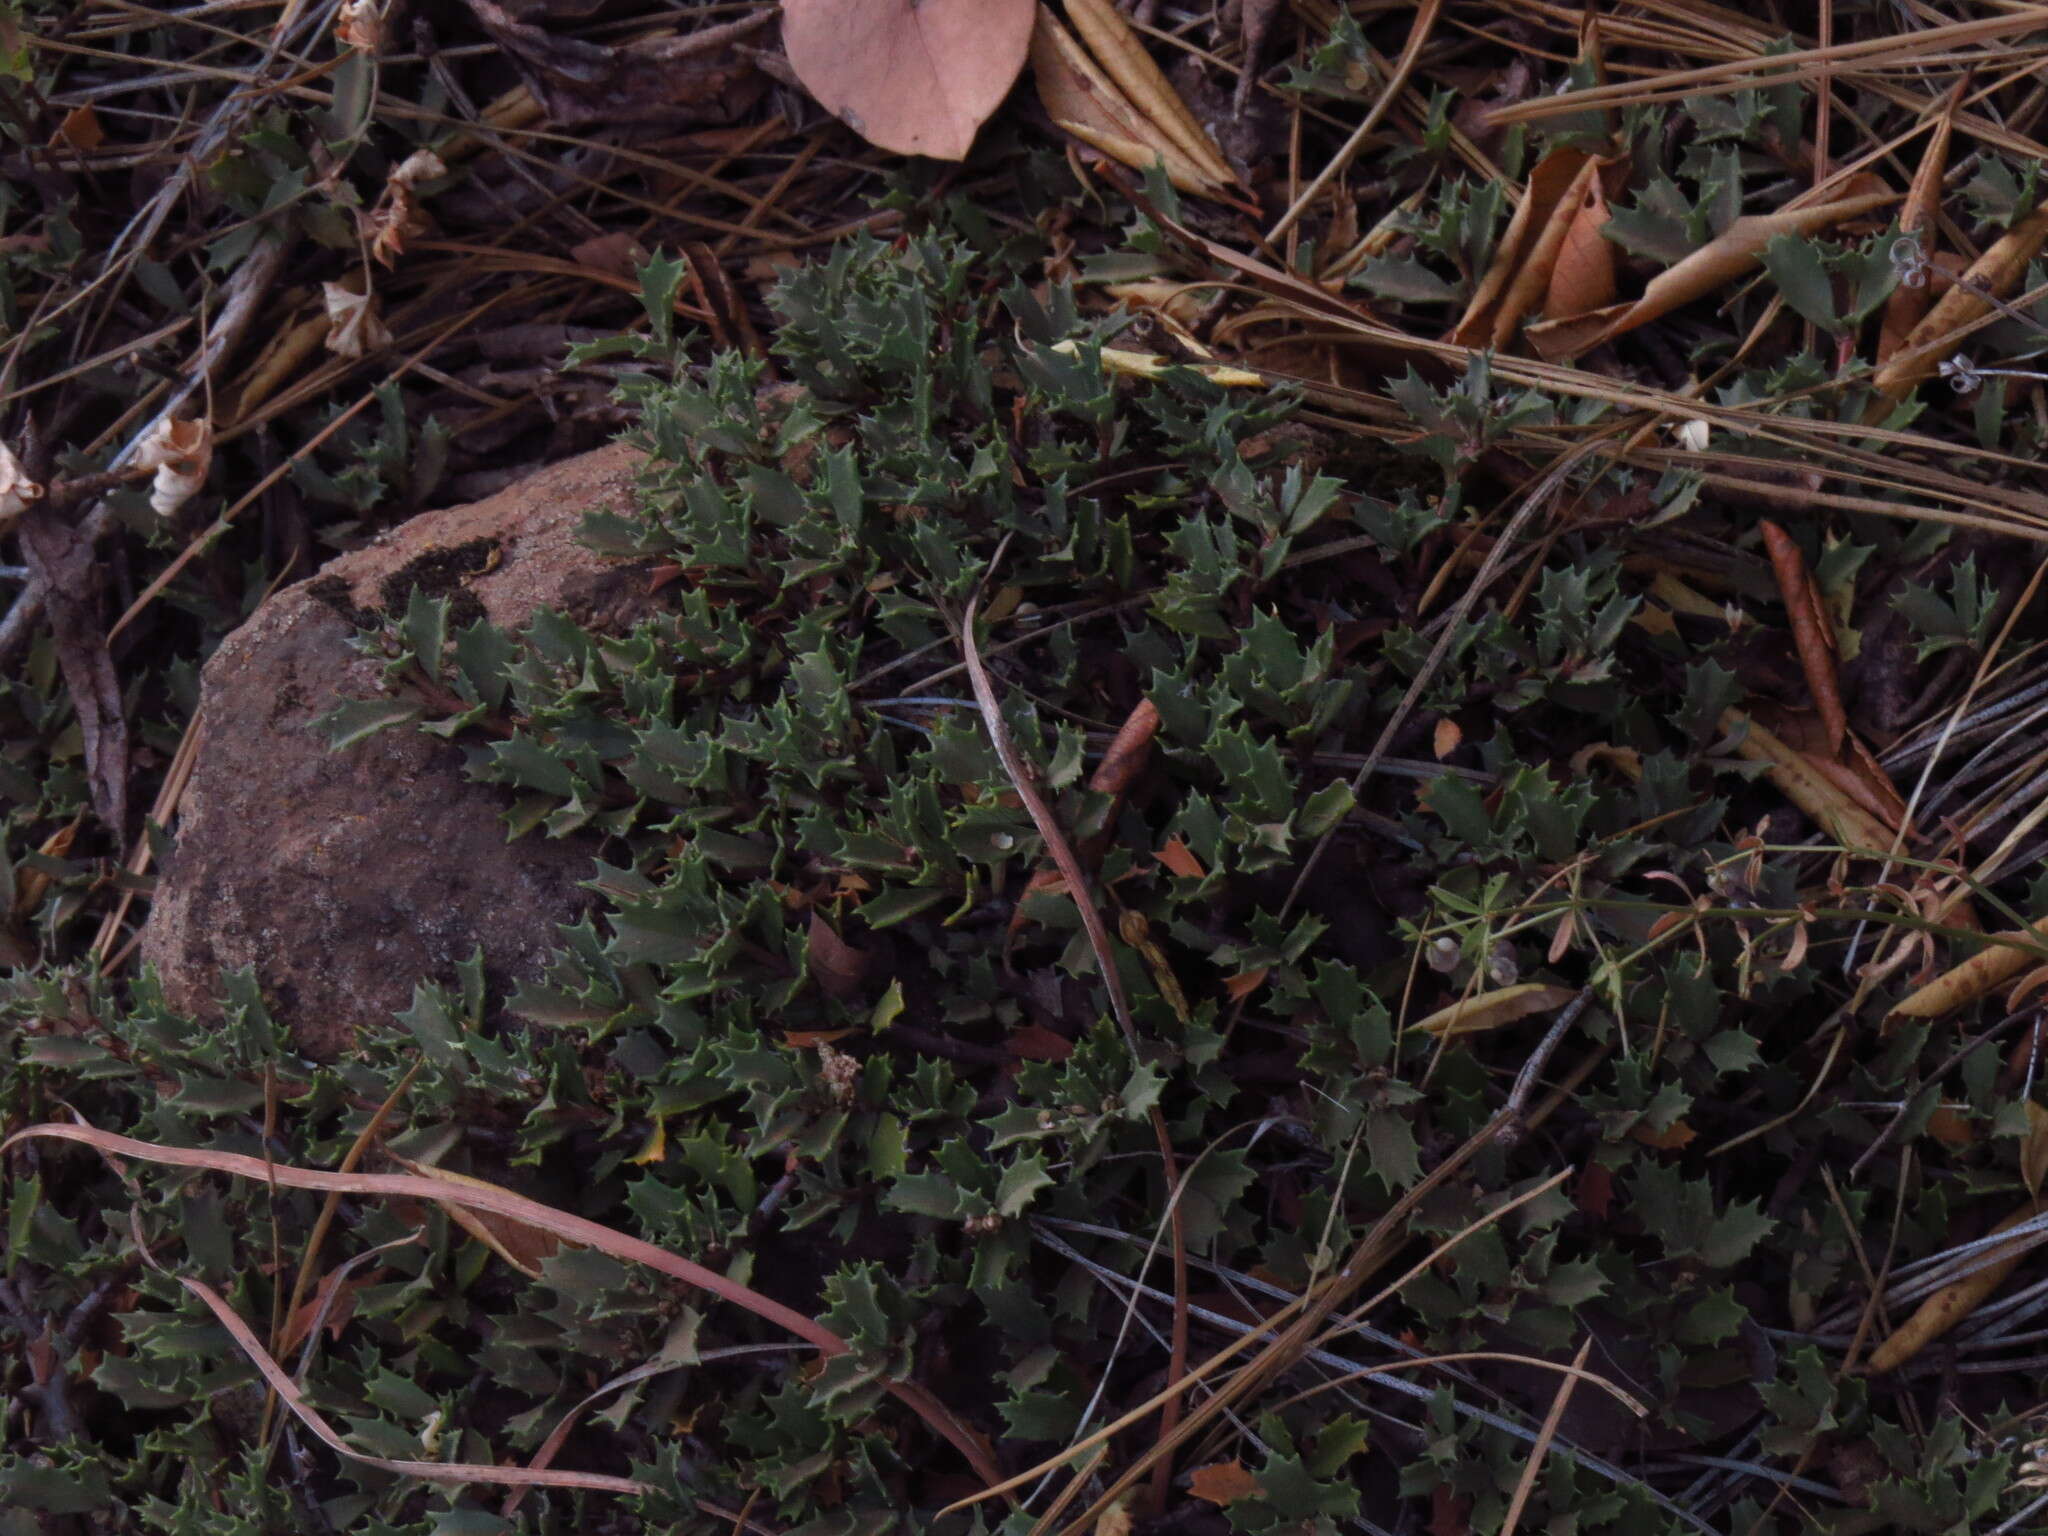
(343, 878)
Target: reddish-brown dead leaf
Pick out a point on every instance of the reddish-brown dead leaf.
(1035, 1042)
(618, 252)
(918, 77)
(1951, 1129)
(333, 1304)
(835, 965)
(1674, 1136)
(1813, 633)
(1582, 279)
(1177, 858)
(811, 1039)
(80, 130)
(1595, 1192)
(1223, 1483)
(1551, 179)
(1450, 1512)
(1129, 751)
(1244, 984)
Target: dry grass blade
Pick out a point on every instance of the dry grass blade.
(1418, 34)
(436, 1471)
(1753, 72)
(1024, 779)
(1541, 1449)
(504, 1203)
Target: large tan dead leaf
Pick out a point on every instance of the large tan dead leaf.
(1707, 270)
(916, 76)
(1082, 98)
(1117, 48)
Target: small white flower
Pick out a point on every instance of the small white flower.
(1693, 435)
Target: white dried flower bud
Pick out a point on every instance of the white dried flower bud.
(353, 329)
(360, 24)
(17, 491)
(181, 452)
(1442, 954)
(421, 165)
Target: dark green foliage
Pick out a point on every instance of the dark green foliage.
(788, 770)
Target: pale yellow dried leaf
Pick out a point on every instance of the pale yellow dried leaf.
(1490, 1010)
(1837, 813)
(1952, 1303)
(1149, 365)
(1991, 966)
(918, 77)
